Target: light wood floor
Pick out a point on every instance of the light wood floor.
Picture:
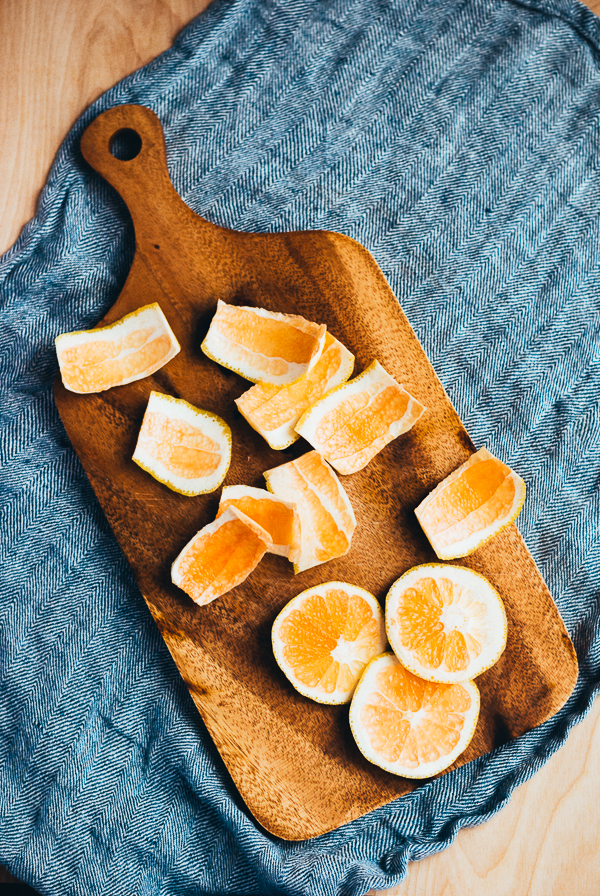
(56, 58)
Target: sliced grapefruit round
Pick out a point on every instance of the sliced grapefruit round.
(407, 726)
(274, 411)
(263, 346)
(324, 638)
(277, 516)
(185, 448)
(327, 519)
(353, 422)
(471, 506)
(445, 623)
(220, 556)
(130, 349)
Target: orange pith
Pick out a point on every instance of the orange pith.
(393, 730)
(179, 446)
(266, 336)
(321, 624)
(356, 422)
(275, 518)
(421, 627)
(96, 365)
(313, 481)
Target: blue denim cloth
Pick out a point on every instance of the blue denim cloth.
(458, 140)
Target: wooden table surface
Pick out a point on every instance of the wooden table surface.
(55, 59)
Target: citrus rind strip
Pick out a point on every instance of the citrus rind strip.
(232, 493)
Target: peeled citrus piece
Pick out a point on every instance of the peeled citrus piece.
(278, 517)
(324, 638)
(130, 349)
(351, 424)
(220, 556)
(263, 346)
(187, 449)
(408, 726)
(471, 505)
(445, 623)
(274, 411)
(327, 519)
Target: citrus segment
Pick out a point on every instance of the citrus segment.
(351, 424)
(186, 449)
(471, 505)
(445, 623)
(278, 517)
(327, 520)
(134, 347)
(274, 411)
(408, 726)
(324, 638)
(263, 346)
(220, 556)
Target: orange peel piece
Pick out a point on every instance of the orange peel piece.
(220, 556)
(130, 349)
(276, 516)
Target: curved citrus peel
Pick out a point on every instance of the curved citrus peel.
(185, 448)
(445, 623)
(471, 505)
(408, 726)
(324, 637)
(263, 346)
(220, 556)
(353, 422)
(277, 516)
(132, 348)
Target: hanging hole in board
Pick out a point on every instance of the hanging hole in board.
(125, 144)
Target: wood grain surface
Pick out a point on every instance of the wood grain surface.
(48, 54)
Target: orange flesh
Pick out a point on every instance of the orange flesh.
(311, 478)
(276, 518)
(387, 717)
(482, 494)
(180, 447)
(217, 562)
(265, 336)
(312, 632)
(422, 631)
(359, 420)
(97, 365)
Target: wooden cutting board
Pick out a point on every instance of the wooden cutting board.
(293, 761)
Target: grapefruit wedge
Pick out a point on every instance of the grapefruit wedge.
(327, 519)
(324, 638)
(220, 556)
(471, 506)
(276, 516)
(263, 346)
(445, 623)
(408, 726)
(130, 349)
(185, 448)
(352, 423)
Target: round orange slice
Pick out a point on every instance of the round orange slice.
(445, 623)
(132, 348)
(186, 449)
(327, 519)
(408, 726)
(263, 346)
(471, 506)
(220, 556)
(274, 411)
(353, 422)
(324, 638)
(277, 516)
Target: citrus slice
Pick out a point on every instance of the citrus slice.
(324, 638)
(445, 623)
(327, 519)
(471, 505)
(408, 726)
(186, 449)
(278, 517)
(220, 556)
(351, 424)
(263, 346)
(130, 349)
(274, 411)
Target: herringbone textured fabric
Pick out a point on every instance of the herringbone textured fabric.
(458, 140)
